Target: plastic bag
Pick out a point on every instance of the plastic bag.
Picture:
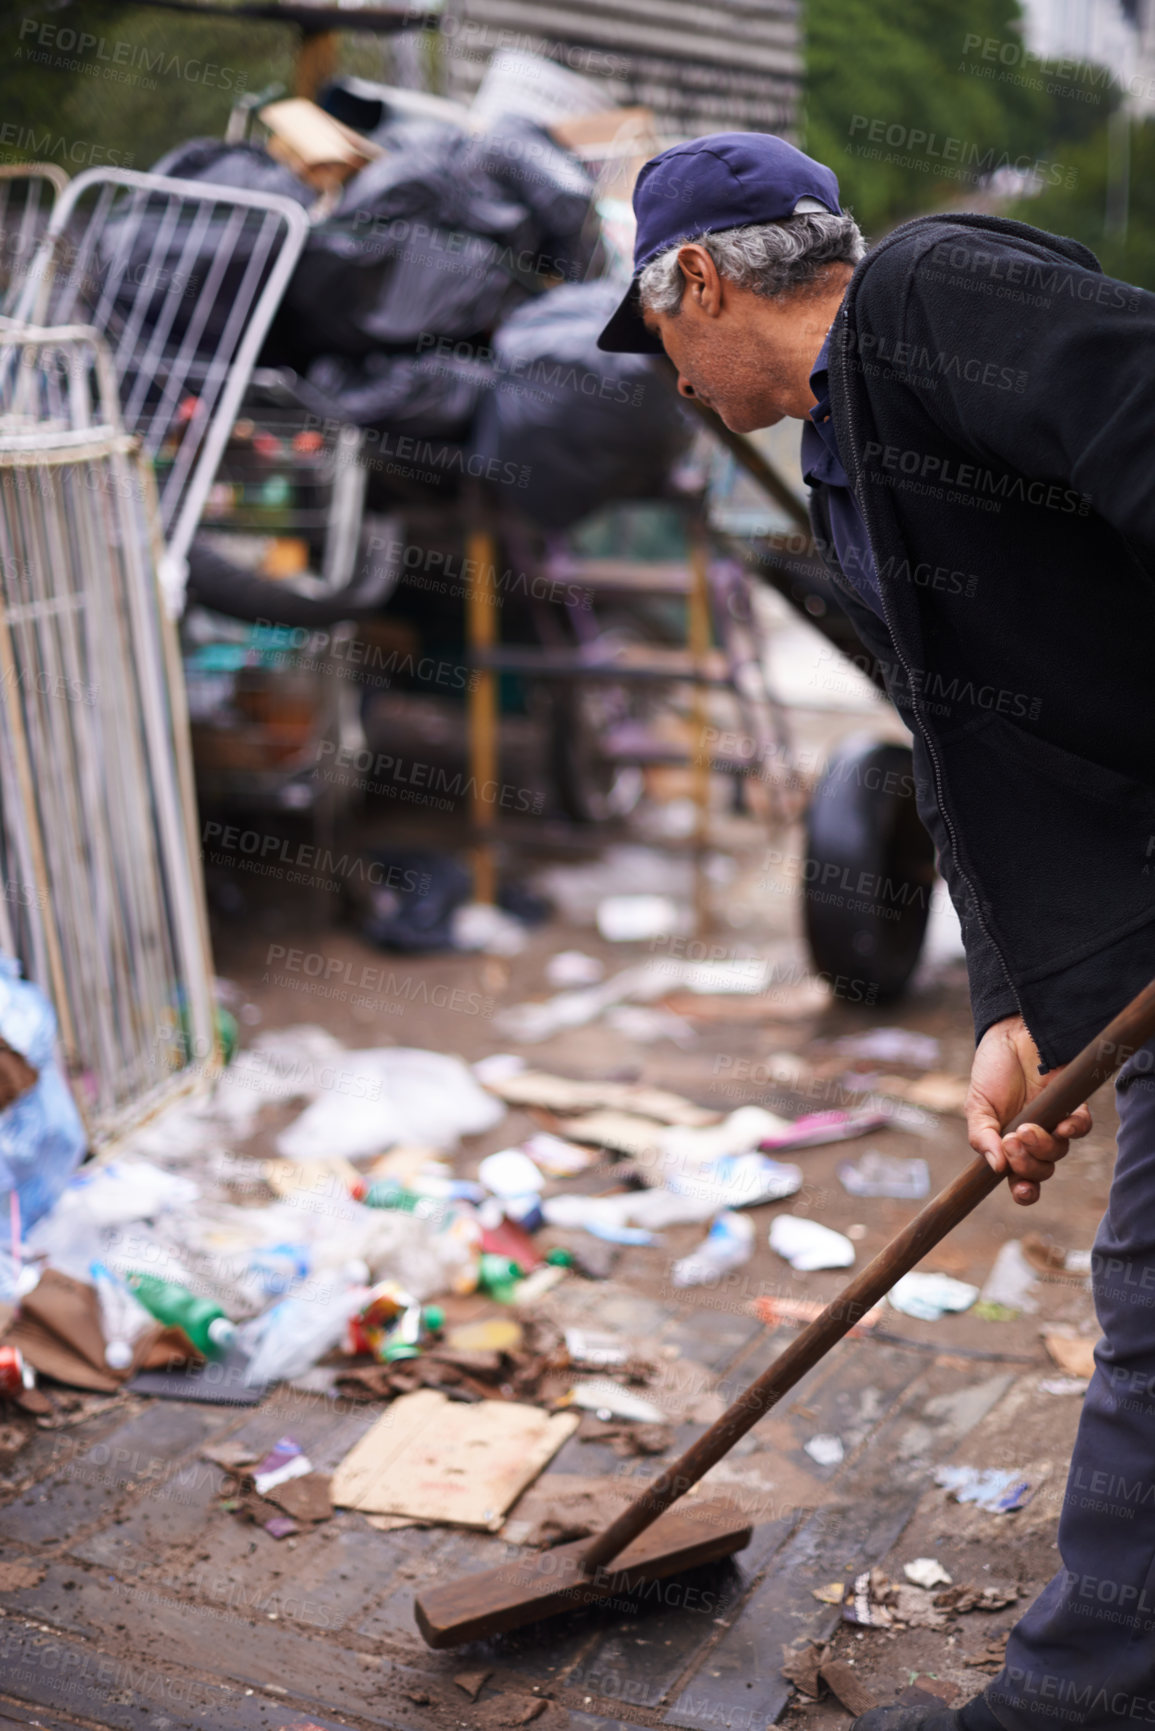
(422, 241)
(395, 1094)
(589, 427)
(291, 1336)
(426, 396)
(551, 182)
(42, 1139)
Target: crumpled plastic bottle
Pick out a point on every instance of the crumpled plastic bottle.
(728, 1244)
(293, 1334)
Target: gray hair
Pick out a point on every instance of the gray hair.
(771, 258)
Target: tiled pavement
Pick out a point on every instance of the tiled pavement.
(158, 1609)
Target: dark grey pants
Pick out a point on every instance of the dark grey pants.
(1084, 1654)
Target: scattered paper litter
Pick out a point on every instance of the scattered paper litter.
(1074, 1354)
(411, 1461)
(624, 1132)
(589, 1346)
(1054, 1261)
(807, 1246)
(567, 968)
(915, 1608)
(531, 1022)
(602, 1217)
(937, 1091)
(773, 1311)
(498, 1067)
(741, 1133)
(1012, 1280)
(1064, 1385)
(630, 1216)
(557, 1157)
(602, 1395)
(564, 1094)
(633, 919)
(965, 1598)
(738, 1181)
(393, 1094)
(729, 977)
(818, 1128)
(510, 1173)
(891, 1046)
(927, 1572)
(576, 889)
(826, 1450)
(285, 1460)
(646, 1024)
(875, 1174)
(997, 1490)
(929, 1296)
(480, 927)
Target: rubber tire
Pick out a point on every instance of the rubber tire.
(868, 872)
(588, 791)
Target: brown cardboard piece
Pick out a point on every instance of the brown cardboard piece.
(436, 1460)
(57, 1328)
(320, 150)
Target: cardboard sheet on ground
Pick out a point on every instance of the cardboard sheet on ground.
(624, 1132)
(58, 1331)
(564, 1094)
(438, 1460)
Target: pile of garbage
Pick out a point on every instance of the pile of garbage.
(441, 298)
(182, 1266)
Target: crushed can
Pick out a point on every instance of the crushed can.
(15, 1374)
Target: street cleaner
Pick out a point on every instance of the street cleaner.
(977, 403)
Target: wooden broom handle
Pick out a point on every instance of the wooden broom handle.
(1130, 1029)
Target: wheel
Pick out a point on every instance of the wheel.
(590, 787)
(868, 871)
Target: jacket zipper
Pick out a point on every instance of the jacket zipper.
(860, 496)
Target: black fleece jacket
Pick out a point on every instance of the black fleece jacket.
(993, 397)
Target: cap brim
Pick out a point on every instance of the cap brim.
(626, 333)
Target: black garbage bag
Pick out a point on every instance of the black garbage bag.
(423, 395)
(358, 295)
(245, 166)
(411, 907)
(158, 270)
(583, 428)
(428, 171)
(551, 183)
(424, 241)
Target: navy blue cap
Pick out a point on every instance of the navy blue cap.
(726, 180)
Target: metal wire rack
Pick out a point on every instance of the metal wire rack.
(102, 896)
(181, 279)
(28, 192)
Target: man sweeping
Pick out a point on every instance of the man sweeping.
(977, 403)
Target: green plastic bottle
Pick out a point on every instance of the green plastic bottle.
(388, 1193)
(498, 1277)
(205, 1323)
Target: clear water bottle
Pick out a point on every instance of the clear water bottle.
(728, 1244)
(122, 1316)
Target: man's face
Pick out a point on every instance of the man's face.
(723, 363)
(746, 356)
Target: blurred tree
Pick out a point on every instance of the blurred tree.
(917, 77)
(99, 82)
(1082, 210)
(907, 67)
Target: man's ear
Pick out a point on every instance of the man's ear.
(703, 285)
